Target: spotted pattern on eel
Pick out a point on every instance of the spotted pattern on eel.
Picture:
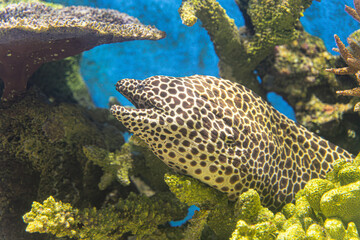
(225, 135)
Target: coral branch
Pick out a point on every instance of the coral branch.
(352, 12)
(222, 30)
(351, 57)
(268, 23)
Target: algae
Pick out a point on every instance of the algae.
(64, 82)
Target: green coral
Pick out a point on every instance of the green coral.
(116, 165)
(315, 232)
(241, 50)
(222, 215)
(273, 22)
(343, 202)
(314, 191)
(324, 209)
(138, 215)
(52, 217)
(326, 204)
(194, 192)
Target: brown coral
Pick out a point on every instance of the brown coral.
(351, 57)
(33, 33)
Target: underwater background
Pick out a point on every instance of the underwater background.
(185, 51)
(70, 170)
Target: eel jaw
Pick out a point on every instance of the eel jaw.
(137, 121)
(138, 94)
(129, 89)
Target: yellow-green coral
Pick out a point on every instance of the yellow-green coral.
(194, 192)
(343, 202)
(241, 50)
(52, 217)
(324, 209)
(314, 191)
(222, 214)
(114, 164)
(147, 165)
(326, 205)
(138, 215)
(4, 3)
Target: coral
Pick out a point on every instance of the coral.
(42, 33)
(115, 165)
(342, 202)
(147, 165)
(328, 203)
(302, 61)
(42, 144)
(324, 209)
(296, 71)
(138, 215)
(192, 192)
(351, 57)
(52, 217)
(241, 50)
(4, 3)
(18, 188)
(221, 215)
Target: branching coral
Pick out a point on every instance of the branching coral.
(351, 57)
(137, 214)
(115, 165)
(268, 23)
(33, 33)
(51, 217)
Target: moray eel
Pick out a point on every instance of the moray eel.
(225, 135)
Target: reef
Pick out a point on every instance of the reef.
(71, 161)
(45, 141)
(267, 24)
(273, 47)
(48, 134)
(324, 209)
(137, 214)
(297, 72)
(115, 165)
(42, 34)
(351, 57)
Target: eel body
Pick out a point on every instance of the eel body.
(225, 135)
